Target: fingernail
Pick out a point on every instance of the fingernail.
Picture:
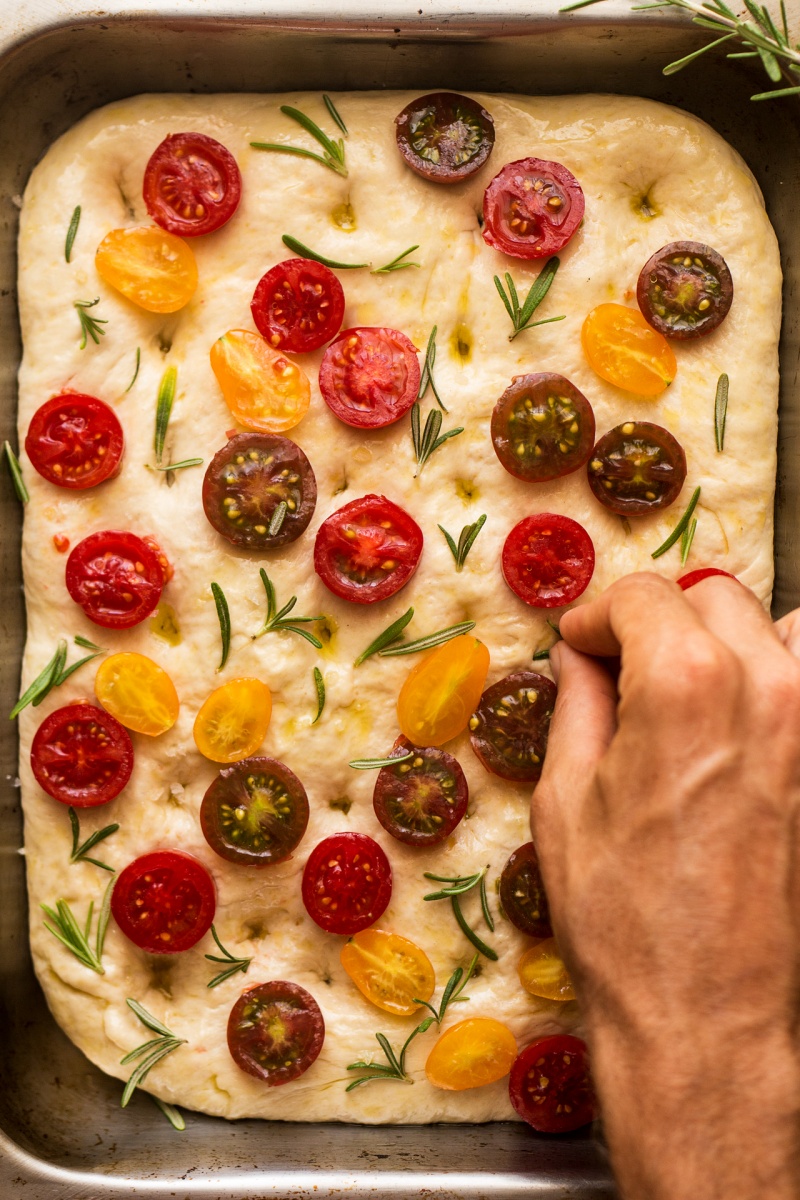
(555, 660)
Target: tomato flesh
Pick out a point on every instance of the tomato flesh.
(81, 756)
(532, 208)
(75, 441)
(367, 550)
(370, 377)
(164, 902)
(685, 290)
(422, 800)
(115, 577)
(471, 1054)
(550, 1086)
(298, 305)
(152, 268)
(542, 972)
(233, 721)
(542, 427)
(522, 893)
(509, 728)
(255, 813)
(688, 581)
(138, 692)
(192, 184)
(444, 137)
(441, 692)
(391, 971)
(275, 1032)
(262, 388)
(624, 350)
(637, 468)
(347, 883)
(548, 560)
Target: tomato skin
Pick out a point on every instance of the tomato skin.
(255, 813)
(367, 550)
(369, 377)
(275, 1032)
(636, 468)
(81, 756)
(546, 216)
(444, 137)
(298, 305)
(164, 901)
(187, 172)
(347, 883)
(471, 1054)
(150, 267)
(548, 560)
(115, 577)
(420, 802)
(264, 391)
(542, 972)
(233, 721)
(138, 692)
(551, 1074)
(509, 728)
(441, 692)
(75, 441)
(685, 290)
(689, 580)
(542, 427)
(624, 350)
(522, 893)
(389, 970)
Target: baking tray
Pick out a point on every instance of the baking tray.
(62, 1133)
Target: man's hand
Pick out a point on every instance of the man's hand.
(665, 824)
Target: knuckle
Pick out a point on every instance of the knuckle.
(703, 665)
(642, 584)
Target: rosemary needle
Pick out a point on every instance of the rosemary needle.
(164, 402)
(305, 252)
(16, 474)
(224, 615)
(71, 233)
(679, 528)
(389, 635)
(319, 684)
(136, 370)
(721, 411)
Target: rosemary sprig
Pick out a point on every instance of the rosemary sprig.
(76, 939)
(429, 641)
(224, 615)
(426, 377)
(459, 886)
(90, 326)
(150, 1052)
(305, 252)
(173, 1115)
(67, 671)
(164, 402)
(75, 221)
(466, 540)
(136, 370)
(319, 684)
(375, 764)
(399, 263)
(16, 474)
(44, 682)
(332, 151)
(232, 964)
(679, 528)
(80, 850)
(687, 537)
(277, 621)
(429, 441)
(389, 635)
(452, 991)
(521, 314)
(721, 412)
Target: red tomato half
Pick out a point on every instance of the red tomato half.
(347, 883)
(532, 208)
(550, 1086)
(298, 305)
(548, 560)
(370, 377)
(275, 1031)
(164, 902)
(687, 581)
(367, 550)
(81, 755)
(192, 184)
(75, 441)
(115, 577)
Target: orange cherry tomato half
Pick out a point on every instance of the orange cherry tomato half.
(153, 268)
(138, 692)
(233, 720)
(442, 692)
(471, 1054)
(542, 972)
(389, 970)
(622, 348)
(264, 390)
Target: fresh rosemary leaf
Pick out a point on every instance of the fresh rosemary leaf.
(166, 398)
(333, 110)
(86, 644)
(673, 67)
(429, 441)
(65, 674)
(579, 4)
(232, 964)
(521, 314)
(470, 933)
(165, 1047)
(16, 474)
(75, 221)
(721, 411)
(279, 621)
(136, 370)
(465, 541)
(90, 326)
(334, 150)
(429, 641)
(147, 1019)
(80, 850)
(679, 528)
(43, 683)
(319, 684)
(173, 1115)
(304, 252)
(375, 764)
(687, 537)
(224, 615)
(103, 918)
(426, 377)
(389, 635)
(790, 91)
(399, 263)
(277, 519)
(180, 466)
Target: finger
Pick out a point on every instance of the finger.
(639, 614)
(788, 630)
(733, 613)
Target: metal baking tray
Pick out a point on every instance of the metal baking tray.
(62, 1133)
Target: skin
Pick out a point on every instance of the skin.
(666, 822)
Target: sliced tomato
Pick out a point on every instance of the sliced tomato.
(275, 1031)
(75, 441)
(367, 550)
(152, 268)
(687, 581)
(522, 893)
(138, 692)
(81, 756)
(392, 972)
(164, 902)
(440, 693)
(248, 479)
(298, 305)
(548, 560)
(542, 427)
(509, 728)
(685, 290)
(192, 184)
(471, 1054)
(233, 721)
(255, 812)
(421, 800)
(532, 208)
(115, 577)
(263, 389)
(370, 377)
(445, 137)
(550, 1086)
(637, 468)
(624, 350)
(542, 972)
(347, 883)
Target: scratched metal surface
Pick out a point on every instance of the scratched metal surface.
(62, 1134)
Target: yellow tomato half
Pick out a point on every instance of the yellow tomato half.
(622, 348)
(138, 692)
(389, 970)
(151, 267)
(542, 972)
(471, 1054)
(442, 692)
(233, 720)
(264, 389)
